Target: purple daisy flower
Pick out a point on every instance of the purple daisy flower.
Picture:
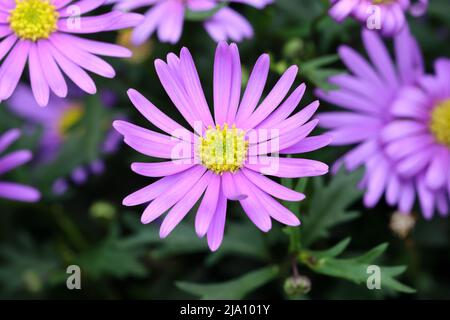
(167, 16)
(418, 137)
(228, 154)
(388, 16)
(10, 190)
(55, 121)
(40, 31)
(375, 95)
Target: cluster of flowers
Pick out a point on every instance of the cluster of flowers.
(397, 114)
(400, 118)
(166, 17)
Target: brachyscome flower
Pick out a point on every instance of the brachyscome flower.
(56, 122)
(418, 137)
(226, 156)
(166, 17)
(44, 33)
(368, 95)
(10, 190)
(387, 16)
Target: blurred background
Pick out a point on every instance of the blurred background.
(83, 170)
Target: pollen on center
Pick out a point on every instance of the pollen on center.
(223, 149)
(33, 19)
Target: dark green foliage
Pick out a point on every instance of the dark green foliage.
(234, 289)
(121, 258)
(323, 214)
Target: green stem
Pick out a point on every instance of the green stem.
(69, 228)
(294, 232)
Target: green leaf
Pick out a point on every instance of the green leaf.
(114, 257)
(28, 266)
(233, 289)
(241, 239)
(315, 70)
(371, 255)
(328, 205)
(182, 240)
(354, 269)
(95, 128)
(440, 9)
(303, 10)
(333, 251)
(320, 62)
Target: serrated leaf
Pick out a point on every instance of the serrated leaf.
(354, 269)
(114, 257)
(241, 239)
(234, 289)
(320, 62)
(316, 71)
(371, 255)
(328, 205)
(333, 251)
(182, 240)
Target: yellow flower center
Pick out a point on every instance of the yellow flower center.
(223, 149)
(33, 19)
(440, 122)
(70, 118)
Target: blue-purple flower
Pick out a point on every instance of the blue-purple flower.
(56, 121)
(418, 137)
(227, 155)
(166, 18)
(368, 95)
(45, 35)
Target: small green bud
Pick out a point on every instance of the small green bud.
(103, 210)
(293, 48)
(294, 286)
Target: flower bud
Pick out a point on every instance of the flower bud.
(294, 286)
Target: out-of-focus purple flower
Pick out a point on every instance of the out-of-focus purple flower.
(60, 186)
(387, 16)
(227, 155)
(10, 190)
(418, 137)
(79, 175)
(55, 121)
(44, 34)
(368, 94)
(97, 167)
(166, 17)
